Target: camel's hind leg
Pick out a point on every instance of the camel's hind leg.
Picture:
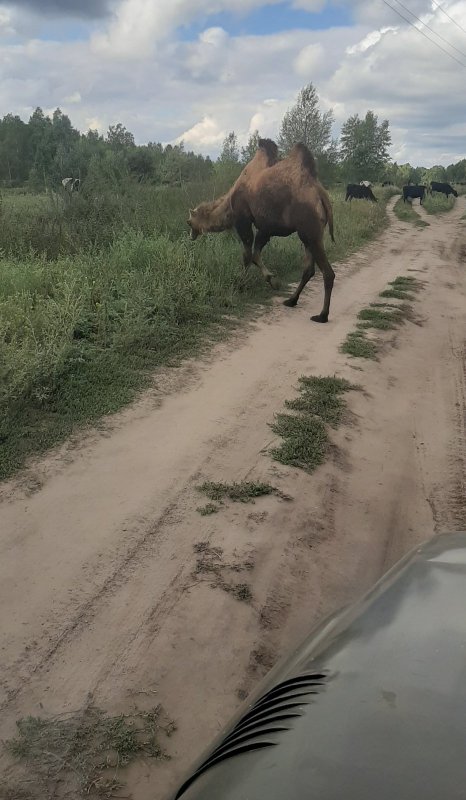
(245, 233)
(260, 241)
(320, 256)
(309, 272)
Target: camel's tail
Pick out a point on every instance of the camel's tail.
(271, 150)
(329, 212)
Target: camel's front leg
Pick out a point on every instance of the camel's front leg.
(309, 272)
(260, 241)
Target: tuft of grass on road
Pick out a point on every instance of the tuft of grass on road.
(240, 591)
(207, 510)
(358, 345)
(305, 441)
(84, 753)
(243, 492)
(406, 213)
(322, 397)
(401, 288)
(381, 316)
(305, 437)
(438, 203)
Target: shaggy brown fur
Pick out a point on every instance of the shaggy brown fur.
(217, 215)
(278, 198)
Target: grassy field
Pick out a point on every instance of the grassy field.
(406, 213)
(97, 292)
(438, 203)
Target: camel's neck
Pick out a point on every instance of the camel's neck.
(219, 216)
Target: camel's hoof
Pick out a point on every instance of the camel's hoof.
(320, 318)
(291, 302)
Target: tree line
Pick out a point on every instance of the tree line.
(41, 152)
(361, 153)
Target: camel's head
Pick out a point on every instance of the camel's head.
(195, 222)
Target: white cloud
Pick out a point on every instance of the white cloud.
(73, 98)
(369, 41)
(138, 25)
(308, 59)
(204, 135)
(199, 90)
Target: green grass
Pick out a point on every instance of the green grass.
(83, 752)
(322, 397)
(438, 203)
(244, 492)
(208, 509)
(305, 436)
(97, 293)
(406, 213)
(381, 316)
(358, 345)
(401, 288)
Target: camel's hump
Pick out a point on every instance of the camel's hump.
(270, 149)
(301, 152)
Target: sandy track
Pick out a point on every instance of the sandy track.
(97, 591)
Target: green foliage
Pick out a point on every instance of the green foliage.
(381, 316)
(45, 150)
(358, 345)
(244, 492)
(305, 437)
(437, 203)
(406, 213)
(364, 147)
(321, 397)
(85, 751)
(305, 123)
(98, 290)
(230, 149)
(248, 152)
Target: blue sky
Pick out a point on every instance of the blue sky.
(195, 70)
(270, 19)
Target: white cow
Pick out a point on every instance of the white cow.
(71, 184)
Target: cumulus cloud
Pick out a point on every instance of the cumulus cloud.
(308, 59)
(138, 25)
(370, 40)
(199, 90)
(203, 135)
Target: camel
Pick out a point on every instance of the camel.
(278, 198)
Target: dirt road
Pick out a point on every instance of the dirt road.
(99, 596)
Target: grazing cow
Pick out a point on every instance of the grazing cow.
(354, 190)
(71, 184)
(367, 184)
(445, 188)
(411, 192)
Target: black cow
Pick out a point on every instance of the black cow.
(445, 188)
(410, 192)
(358, 192)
